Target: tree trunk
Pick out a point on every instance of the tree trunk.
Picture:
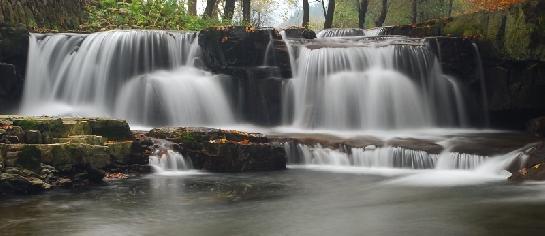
(192, 7)
(362, 12)
(414, 12)
(246, 11)
(306, 14)
(450, 6)
(329, 16)
(383, 12)
(209, 10)
(229, 10)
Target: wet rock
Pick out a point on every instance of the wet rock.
(30, 158)
(537, 127)
(225, 47)
(13, 59)
(530, 165)
(16, 131)
(225, 150)
(299, 32)
(33, 137)
(84, 139)
(21, 182)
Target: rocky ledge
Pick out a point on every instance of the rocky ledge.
(40, 153)
(530, 165)
(225, 150)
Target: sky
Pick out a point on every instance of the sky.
(280, 14)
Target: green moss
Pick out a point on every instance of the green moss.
(517, 35)
(30, 157)
(111, 129)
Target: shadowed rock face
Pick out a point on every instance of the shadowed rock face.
(13, 60)
(223, 150)
(256, 60)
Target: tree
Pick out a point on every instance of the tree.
(414, 12)
(246, 11)
(192, 7)
(383, 12)
(328, 13)
(209, 10)
(306, 13)
(229, 10)
(450, 8)
(362, 12)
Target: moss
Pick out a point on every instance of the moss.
(30, 157)
(50, 128)
(517, 35)
(111, 129)
(119, 151)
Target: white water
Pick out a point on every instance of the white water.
(145, 77)
(371, 86)
(344, 32)
(166, 161)
(413, 167)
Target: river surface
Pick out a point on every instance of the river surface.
(298, 201)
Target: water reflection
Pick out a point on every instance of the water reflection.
(293, 202)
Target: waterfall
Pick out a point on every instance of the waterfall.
(484, 94)
(382, 157)
(344, 32)
(388, 84)
(164, 159)
(145, 77)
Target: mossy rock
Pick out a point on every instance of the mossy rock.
(66, 156)
(111, 129)
(85, 139)
(119, 151)
(30, 158)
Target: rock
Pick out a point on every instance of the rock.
(84, 139)
(54, 128)
(530, 165)
(299, 32)
(30, 158)
(537, 127)
(16, 131)
(13, 183)
(233, 157)
(225, 150)
(13, 59)
(33, 137)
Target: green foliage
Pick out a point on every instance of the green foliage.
(143, 14)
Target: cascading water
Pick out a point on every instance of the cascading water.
(145, 77)
(383, 157)
(415, 167)
(344, 32)
(391, 83)
(164, 159)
